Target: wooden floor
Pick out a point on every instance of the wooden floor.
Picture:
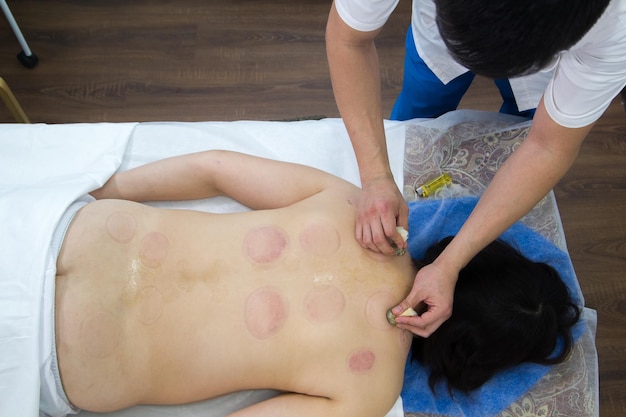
(198, 60)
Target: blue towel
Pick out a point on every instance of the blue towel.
(429, 222)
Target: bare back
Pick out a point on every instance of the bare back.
(172, 306)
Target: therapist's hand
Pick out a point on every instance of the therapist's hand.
(431, 296)
(381, 209)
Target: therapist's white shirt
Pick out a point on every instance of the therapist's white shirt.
(577, 87)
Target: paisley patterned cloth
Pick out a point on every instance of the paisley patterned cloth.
(471, 152)
(470, 148)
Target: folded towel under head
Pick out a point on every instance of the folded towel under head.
(429, 222)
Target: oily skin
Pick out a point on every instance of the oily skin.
(240, 300)
(324, 303)
(121, 226)
(100, 329)
(267, 311)
(320, 238)
(154, 249)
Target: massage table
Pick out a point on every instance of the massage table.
(44, 168)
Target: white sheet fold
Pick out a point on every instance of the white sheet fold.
(43, 169)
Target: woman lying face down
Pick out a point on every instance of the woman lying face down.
(160, 306)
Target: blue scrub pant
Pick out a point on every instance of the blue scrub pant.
(424, 95)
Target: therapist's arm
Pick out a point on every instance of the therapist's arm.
(355, 75)
(522, 181)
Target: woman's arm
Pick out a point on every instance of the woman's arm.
(258, 183)
(301, 405)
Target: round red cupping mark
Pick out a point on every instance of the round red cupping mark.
(324, 303)
(265, 244)
(361, 361)
(266, 312)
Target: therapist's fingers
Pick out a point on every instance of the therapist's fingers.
(393, 213)
(369, 231)
(432, 296)
(372, 237)
(428, 318)
(381, 232)
(402, 219)
(364, 236)
(423, 325)
(377, 212)
(391, 233)
(396, 216)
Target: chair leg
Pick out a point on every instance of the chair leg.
(12, 103)
(26, 56)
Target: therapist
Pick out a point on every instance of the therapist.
(564, 58)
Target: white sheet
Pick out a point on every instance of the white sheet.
(44, 168)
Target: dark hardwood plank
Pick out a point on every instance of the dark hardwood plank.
(592, 202)
(190, 60)
(196, 60)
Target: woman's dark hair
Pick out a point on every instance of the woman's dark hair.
(504, 39)
(507, 310)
